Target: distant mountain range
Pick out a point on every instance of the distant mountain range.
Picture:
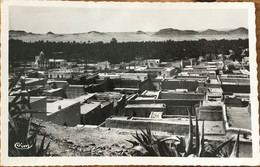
(161, 35)
(174, 32)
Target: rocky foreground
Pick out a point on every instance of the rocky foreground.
(88, 140)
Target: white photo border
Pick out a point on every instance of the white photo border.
(44, 161)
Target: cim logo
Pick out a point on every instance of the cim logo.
(21, 146)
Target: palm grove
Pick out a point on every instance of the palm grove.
(117, 52)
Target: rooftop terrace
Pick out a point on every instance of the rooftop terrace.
(239, 117)
(53, 90)
(83, 98)
(32, 98)
(54, 106)
(145, 106)
(88, 107)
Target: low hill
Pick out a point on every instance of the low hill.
(96, 33)
(50, 33)
(240, 30)
(171, 31)
(139, 36)
(213, 32)
(140, 32)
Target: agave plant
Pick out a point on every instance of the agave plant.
(149, 145)
(23, 133)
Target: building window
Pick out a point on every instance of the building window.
(58, 76)
(50, 76)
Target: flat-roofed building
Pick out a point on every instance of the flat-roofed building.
(91, 114)
(236, 87)
(215, 94)
(172, 84)
(134, 76)
(38, 104)
(237, 99)
(57, 63)
(56, 84)
(74, 91)
(143, 110)
(239, 117)
(64, 112)
(234, 79)
(84, 98)
(63, 73)
(179, 102)
(149, 94)
(156, 114)
(210, 113)
(126, 76)
(112, 103)
(181, 94)
(127, 90)
(103, 65)
(177, 125)
(151, 62)
(55, 93)
(108, 75)
(169, 72)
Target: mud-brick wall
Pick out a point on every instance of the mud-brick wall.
(180, 128)
(74, 91)
(57, 93)
(210, 115)
(234, 102)
(35, 92)
(69, 116)
(39, 106)
(36, 82)
(105, 84)
(235, 80)
(178, 110)
(170, 103)
(107, 110)
(236, 88)
(168, 95)
(120, 108)
(93, 117)
(178, 84)
(93, 88)
(145, 85)
(141, 112)
(98, 115)
(122, 83)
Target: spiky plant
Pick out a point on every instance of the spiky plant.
(23, 132)
(149, 145)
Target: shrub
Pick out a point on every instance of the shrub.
(147, 144)
(21, 130)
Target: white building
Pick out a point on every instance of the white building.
(57, 63)
(103, 65)
(151, 63)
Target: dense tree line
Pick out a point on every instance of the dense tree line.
(124, 52)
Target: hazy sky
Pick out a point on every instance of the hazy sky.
(75, 20)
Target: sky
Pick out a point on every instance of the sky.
(77, 20)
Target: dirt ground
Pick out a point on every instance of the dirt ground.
(88, 140)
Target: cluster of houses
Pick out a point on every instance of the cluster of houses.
(144, 93)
